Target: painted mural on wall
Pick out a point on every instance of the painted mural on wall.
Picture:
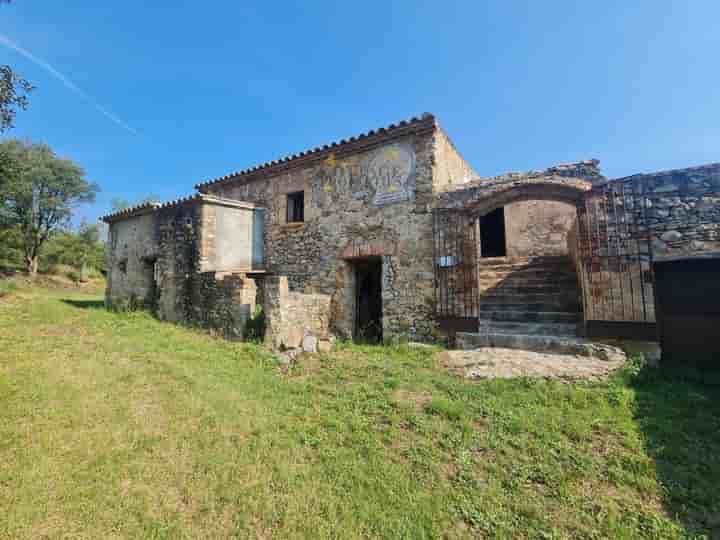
(384, 177)
(391, 174)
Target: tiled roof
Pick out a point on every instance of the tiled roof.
(358, 142)
(138, 209)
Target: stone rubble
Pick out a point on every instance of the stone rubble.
(494, 363)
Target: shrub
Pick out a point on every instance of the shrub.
(75, 275)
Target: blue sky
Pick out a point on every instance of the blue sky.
(160, 95)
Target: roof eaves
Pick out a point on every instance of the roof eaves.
(427, 120)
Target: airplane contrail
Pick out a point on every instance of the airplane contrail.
(4, 40)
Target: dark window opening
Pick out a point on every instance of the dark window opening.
(492, 234)
(296, 207)
(368, 301)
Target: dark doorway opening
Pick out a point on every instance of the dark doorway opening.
(492, 234)
(368, 300)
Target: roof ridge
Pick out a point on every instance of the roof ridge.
(385, 130)
(130, 210)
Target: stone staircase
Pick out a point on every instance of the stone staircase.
(528, 303)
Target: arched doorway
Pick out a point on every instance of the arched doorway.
(500, 266)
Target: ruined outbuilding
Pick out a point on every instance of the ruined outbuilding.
(392, 233)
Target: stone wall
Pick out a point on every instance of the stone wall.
(178, 232)
(132, 248)
(379, 195)
(221, 301)
(224, 302)
(536, 228)
(295, 320)
(451, 169)
(677, 211)
(683, 210)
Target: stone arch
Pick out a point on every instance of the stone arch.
(525, 231)
(484, 198)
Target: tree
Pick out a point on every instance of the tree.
(13, 93)
(81, 249)
(13, 96)
(38, 192)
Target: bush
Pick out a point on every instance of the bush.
(75, 275)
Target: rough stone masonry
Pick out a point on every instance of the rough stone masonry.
(335, 241)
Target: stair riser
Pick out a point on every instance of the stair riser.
(529, 279)
(547, 259)
(505, 297)
(566, 270)
(530, 306)
(511, 289)
(530, 316)
(530, 275)
(539, 329)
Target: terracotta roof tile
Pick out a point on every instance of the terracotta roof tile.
(426, 120)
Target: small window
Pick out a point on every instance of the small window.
(296, 207)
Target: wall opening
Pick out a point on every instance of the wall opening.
(296, 207)
(492, 234)
(368, 300)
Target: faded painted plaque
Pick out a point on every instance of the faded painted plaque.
(392, 174)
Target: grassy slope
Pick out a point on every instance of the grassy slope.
(116, 425)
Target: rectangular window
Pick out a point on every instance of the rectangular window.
(296, 207)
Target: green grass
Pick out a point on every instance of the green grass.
(6, 287)
(114, 425)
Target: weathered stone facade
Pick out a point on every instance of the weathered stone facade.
(683, 209)
(537, 228)
(303, 236)
(656, 215)
(369, 200)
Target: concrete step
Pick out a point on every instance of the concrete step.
(504, 264)
(498, 304)
(508, 297)
(533, 288)
(542, 259)
(528, 328)
(532, 316)
(526, 270)
(537, 343)
(531, 278)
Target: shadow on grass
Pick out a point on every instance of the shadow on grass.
(678, 412)
(85, 304)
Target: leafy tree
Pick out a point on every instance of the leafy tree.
(81, 249)
(13, 93)
(38, 192)
(11, 255)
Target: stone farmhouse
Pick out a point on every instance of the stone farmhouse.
(392, 233)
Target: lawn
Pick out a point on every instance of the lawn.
(114, 425)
